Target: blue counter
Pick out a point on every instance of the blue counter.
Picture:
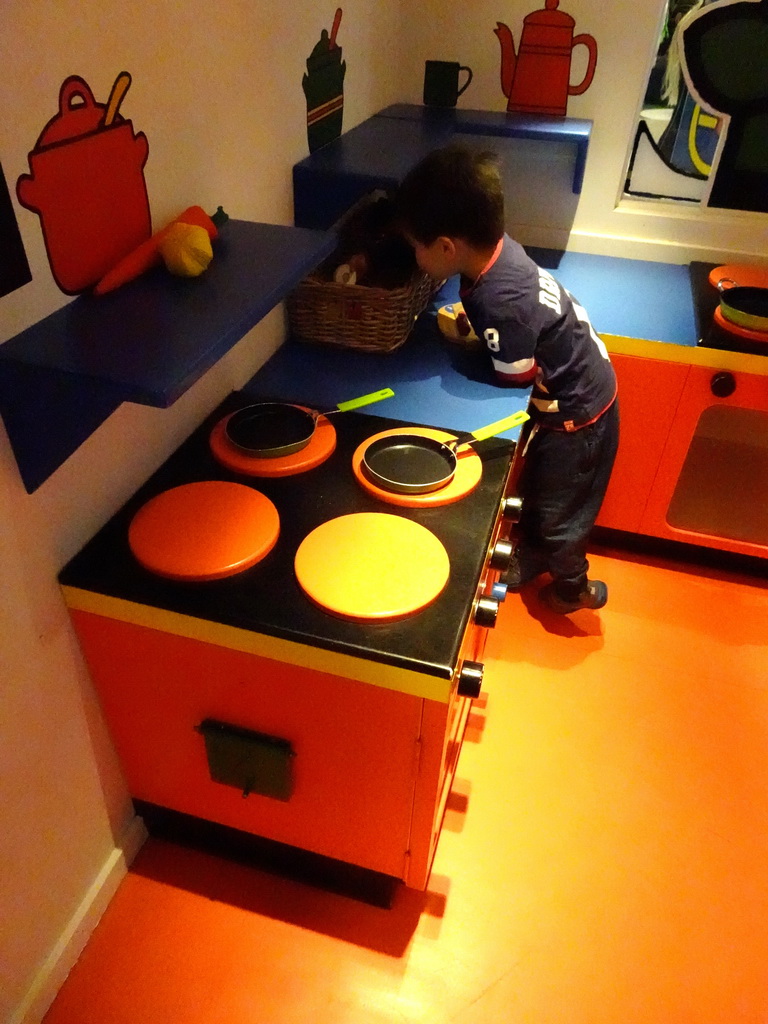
(438, 384)
(435, 383)
(628, 298)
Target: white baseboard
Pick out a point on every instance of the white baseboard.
(656, 250)
(653, 250)
(70, 944)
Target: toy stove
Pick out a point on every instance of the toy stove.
(283, 649)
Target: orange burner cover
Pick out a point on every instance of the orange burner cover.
(744, 275)
(737, 329)
(372, 565)
(204, 531)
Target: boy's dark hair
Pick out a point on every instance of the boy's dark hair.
(454, 191)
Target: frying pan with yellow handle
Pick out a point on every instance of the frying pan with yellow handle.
(414, 464)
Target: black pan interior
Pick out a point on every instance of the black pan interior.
(752, 301)
(269, 425)
(413, 461)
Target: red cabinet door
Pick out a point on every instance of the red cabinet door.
(356, 746)
(711, 487)
(649, 392)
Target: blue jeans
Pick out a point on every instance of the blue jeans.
(562, 484)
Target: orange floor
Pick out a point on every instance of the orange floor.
(604, 858)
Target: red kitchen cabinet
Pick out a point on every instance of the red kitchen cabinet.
(649, 394)
(711, 487)
(372, 766)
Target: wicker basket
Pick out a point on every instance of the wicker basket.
(356, 316)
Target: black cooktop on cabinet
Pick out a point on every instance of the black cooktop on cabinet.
(267, 598)
(706, 299)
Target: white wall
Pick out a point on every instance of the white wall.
(217, 90)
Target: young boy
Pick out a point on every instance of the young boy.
(451, 209)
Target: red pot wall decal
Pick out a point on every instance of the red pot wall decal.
(87, 185)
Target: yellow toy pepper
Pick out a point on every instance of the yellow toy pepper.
(186, 249)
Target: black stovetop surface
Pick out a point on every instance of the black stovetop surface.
(267, 598)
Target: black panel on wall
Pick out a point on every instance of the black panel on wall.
(14, 268)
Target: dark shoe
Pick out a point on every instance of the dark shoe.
(515, 578)
(594, 595)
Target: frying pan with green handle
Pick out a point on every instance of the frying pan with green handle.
(268, 430)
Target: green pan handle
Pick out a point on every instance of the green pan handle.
(356, 403)
(501, 425)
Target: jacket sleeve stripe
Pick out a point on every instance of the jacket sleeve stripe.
(520, 372)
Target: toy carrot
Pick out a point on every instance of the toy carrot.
(148, 255)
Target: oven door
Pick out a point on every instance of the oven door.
(712, 482)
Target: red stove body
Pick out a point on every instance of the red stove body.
(239, 701)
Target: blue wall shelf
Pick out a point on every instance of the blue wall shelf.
(147, 342)
(379, 152)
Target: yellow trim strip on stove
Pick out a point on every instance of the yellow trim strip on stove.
(692, 355)
(390, 677)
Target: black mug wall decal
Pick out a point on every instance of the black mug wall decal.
(441, 82)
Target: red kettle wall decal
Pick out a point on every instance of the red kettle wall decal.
(536, 79)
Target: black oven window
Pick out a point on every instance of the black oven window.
(723, 486)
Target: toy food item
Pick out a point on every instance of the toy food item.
(148, 255)
(454, 325)
(186, 249)
(353, 271)
(345, 275)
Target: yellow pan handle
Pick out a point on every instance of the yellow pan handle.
(357, 403)
(501, 425)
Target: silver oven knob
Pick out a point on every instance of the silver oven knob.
(501, 555)
(499, 590)
(511, 508)
(470, 679)
(486, 612)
